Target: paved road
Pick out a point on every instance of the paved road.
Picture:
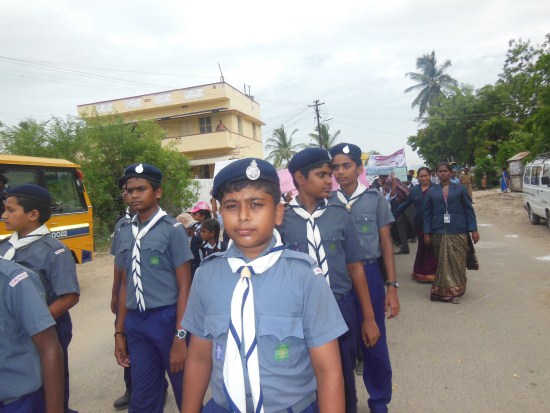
(489, 354)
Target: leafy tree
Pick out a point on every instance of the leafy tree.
(327, 139)
(432, 82)
(282, 147)
(104, 148)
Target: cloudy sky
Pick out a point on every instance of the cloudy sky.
(350, 54)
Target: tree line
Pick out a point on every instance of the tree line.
(103, 148)
(484, 127)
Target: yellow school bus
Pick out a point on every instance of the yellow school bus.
(71, 221)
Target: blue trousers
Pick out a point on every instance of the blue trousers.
(150, 336)
(348, 349)
(64, 328)
(213, 407)
(30, 403)
(377, 373)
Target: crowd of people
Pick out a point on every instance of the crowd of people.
(273, 301)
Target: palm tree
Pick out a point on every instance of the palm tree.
(327, 140)
(432, 82)
(281, 147)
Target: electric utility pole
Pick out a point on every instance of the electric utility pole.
(316, 105)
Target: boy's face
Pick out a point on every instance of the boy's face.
(16, 219)
(345, 170)
(197, 216)
(190, 231)
(142, 198)
(249, 217)
(318, 184)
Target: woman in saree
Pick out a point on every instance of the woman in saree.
(449, 219)
(425, 263)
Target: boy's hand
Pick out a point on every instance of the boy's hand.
(392, 303)
(178, 352)
(369, 333)
(114, 303)
(121, 355)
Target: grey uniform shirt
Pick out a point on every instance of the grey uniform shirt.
(340, 241)
(52, 261)
(294, 310)
(163, 249)
(370, 212)
(23, 313)
(114, 244)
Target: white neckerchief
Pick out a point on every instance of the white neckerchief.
(354, 197)
(242, 332)
(136, 254)
(17, 242)
(127, 214)
(315, 244)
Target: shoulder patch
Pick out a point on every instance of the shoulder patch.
(59, 251)
(317, 271)
(177, 224)
(18, 278)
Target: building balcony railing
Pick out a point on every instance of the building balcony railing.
(205, 142)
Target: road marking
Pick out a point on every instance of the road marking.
(512, 236)
(546, 258)
(477, 301)
(484, 225)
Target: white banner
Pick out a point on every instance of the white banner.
(395, 159)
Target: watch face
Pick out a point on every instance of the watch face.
(181, 334)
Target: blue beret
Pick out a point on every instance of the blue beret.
(353, 151)
(251, 169)
(31, 191)
(308, 158)
(141, 170)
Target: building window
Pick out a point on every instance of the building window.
(240, 124)
(254, 131)
(205, 124)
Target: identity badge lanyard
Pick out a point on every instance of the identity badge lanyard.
(446, 215)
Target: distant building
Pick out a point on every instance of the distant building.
(207, 123)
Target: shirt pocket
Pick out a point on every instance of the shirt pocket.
(365, 223)
(152, 251)
(215, 327)
(333, 244)
(281, 339)
(300, 245)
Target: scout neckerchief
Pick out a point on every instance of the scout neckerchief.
(136, 254)
(315, 243)
(242, 332)
(209, 249)
(127, 214)
(17, 242)
(354, 197)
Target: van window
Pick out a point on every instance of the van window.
(527, 176)
(546, 170)
(535, 175)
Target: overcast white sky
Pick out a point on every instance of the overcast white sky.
(350, 54)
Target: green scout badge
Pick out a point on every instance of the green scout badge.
(281, 352)
(155, 260)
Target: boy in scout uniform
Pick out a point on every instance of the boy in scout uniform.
(372, 217)
(326, 232)
(27, 209)
(263, 321)
(153, 252)
(31, 359)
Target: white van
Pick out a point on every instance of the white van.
(536, 189)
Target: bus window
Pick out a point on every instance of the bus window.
(65, 195)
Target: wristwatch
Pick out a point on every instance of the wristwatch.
(392, 284)
(181, 334)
